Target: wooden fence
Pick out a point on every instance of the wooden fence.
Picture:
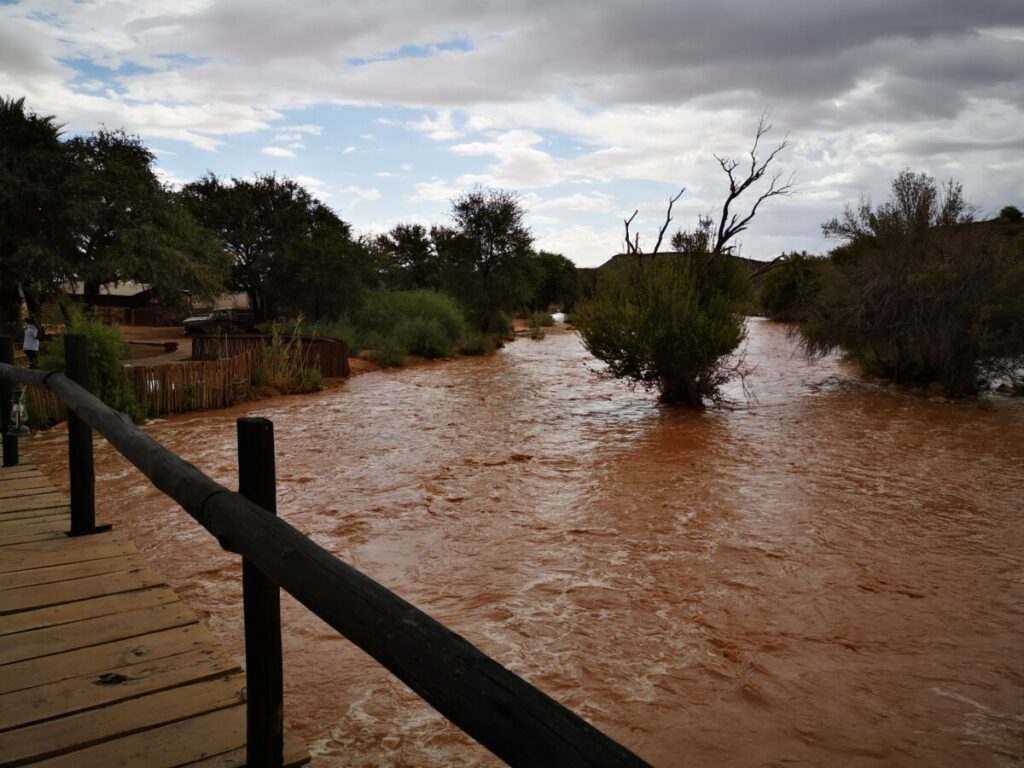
(329, 355)
(172, 387)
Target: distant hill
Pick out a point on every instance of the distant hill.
(588, 275)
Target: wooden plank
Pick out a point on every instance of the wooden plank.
(56, 615)
(168, 746)
(55, 573)
(86, 692)
(42, 595)
(295, 754)
(85, 662)
(37, 501)
(55, 737)
(19, 557)
(55, 513)
(31, 487)
(25, 535)
(47, 641)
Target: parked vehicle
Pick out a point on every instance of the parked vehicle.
(220, 321)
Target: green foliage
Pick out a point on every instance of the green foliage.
(477, 344)
(107, 355)
(36, 232)
(1011, 214)
(920, 294)
(287, 247)
(485, 256)
(542, 319)
(285, 364)
(130, 229)
(789, 288)
(406, 258)
(667, 323)
(392, 324)
(556, 282)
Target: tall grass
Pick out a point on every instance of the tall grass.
(285, 364)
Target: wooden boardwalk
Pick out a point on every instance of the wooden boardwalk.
(100, 663)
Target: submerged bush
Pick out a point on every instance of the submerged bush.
(920, 294)
(668, 324)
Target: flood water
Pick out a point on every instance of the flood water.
(830, 575)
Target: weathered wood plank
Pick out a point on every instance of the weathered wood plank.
(26, 535)
(55, 737)
(55, 615)
(36, 501)
(55, 514)
(20, 557)
(113, 684)
(295, 754)
(168, 746)
(102, 658)
(62, 572)
(31, 487)
(94, 631)
(42, 595)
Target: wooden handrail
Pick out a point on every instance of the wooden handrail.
(510, 717)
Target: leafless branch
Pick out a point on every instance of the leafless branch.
(630, 246)
(668, 220)
(731, 224)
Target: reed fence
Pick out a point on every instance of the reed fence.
(172, 387)
(329, 355)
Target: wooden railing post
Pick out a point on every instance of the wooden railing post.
(10, 442)
(80, 467)
(262, 606)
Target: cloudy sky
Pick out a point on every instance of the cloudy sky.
(386, 109)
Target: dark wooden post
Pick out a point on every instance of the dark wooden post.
(262, 606)
(80, 467)
(10, 441)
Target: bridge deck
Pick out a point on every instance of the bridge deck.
(100, 663)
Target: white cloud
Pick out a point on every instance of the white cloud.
(313, 130)
(433, 191)
(439, 128)
(362, 194)
(348, 150)
(596, 202)
(277, 152)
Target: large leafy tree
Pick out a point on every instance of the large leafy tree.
(285, 244)
(407, 258)
(484, 256)
(668, 321)
(129, 228)
(36, 232)
(556, 281)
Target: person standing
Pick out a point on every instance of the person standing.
(30, 344)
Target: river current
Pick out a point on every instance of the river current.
(829, 574)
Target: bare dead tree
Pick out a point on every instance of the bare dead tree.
(633, 246)
(731, 224)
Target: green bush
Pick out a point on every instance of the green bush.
(790, 287)
(477, 344)
(393, 324)
(541, 319)
(919, 293)
(107, 355)
(668, 324)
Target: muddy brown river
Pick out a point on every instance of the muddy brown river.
(832, 574)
